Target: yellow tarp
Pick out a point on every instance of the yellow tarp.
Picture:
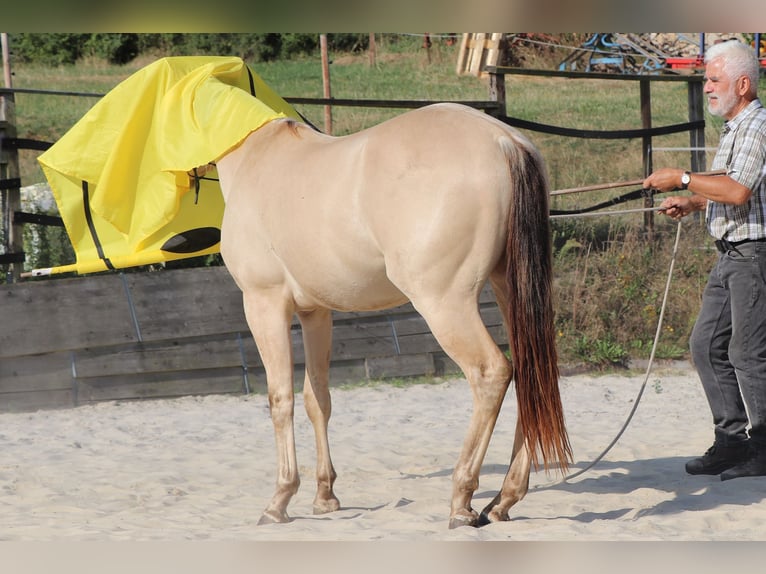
(120, 176)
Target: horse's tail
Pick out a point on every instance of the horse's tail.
(531, 330)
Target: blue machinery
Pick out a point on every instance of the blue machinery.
(627, 54)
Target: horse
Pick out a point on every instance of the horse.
(425, 207)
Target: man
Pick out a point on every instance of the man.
(728, 342)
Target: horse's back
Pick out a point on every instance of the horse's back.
(362, 221)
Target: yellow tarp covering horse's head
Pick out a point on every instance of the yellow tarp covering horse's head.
(121, 175)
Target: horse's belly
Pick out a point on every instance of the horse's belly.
(344, 289)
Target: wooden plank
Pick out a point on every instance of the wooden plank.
(36, 400)
(478, 50)
(36, 373)
(360, 348)
(444, 366)
(492, 50)
(491, 316)
(486, 296)
(153, 357)
(188, 302)
(418, 343)
(415, 325)
(462, 55)
(346, 372)
(498, 335)
(341, 373)
(427, 343)
(359, 316)
(380, 328)
(62, 314)
(159, 385)
(400, 366)
(343, 348)
(477, 53)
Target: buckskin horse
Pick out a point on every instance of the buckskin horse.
(425, 207)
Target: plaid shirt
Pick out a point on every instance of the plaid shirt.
(742, 152)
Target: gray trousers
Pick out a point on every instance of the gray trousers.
(728, 344)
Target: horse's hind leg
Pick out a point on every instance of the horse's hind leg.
(457, 325)
(317, 343)
(269, 319)
(515, 484)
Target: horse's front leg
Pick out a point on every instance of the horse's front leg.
(515, 484)
(269, 319)
(317, 344)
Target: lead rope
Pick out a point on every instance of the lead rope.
(643, 385)
(610, 212)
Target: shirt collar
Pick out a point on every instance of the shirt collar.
(732, 124)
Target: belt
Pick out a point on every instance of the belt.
(724, 245)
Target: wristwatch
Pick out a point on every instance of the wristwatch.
(686, 179)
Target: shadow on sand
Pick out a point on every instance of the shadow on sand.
(690, 493)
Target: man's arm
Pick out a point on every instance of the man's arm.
(718, 188)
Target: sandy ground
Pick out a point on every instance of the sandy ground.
(203, 468)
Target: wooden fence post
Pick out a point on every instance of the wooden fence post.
(326, 83)
(497, 81)
(7, 74)
(696, 107)
(646, 145)
(696, 136)
(372, 51)
(497, 93)
(9, 171)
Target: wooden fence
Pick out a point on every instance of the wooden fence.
(67, 342)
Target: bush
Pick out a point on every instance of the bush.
(48, 49)
(61, 49)
(609, 291)
(114, 48)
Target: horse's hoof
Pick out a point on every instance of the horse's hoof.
(326, 506)
(490, 515)
(273, 517)
(464, 518)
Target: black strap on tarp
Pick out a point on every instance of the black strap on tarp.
(92, 226)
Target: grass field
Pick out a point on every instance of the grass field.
(610, 271)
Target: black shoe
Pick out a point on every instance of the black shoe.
(718, 458)
(753, 466)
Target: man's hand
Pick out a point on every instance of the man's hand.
(666, 179)
(680, 206)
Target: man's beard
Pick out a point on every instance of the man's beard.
(725, 103)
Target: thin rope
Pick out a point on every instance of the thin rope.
(614, 184)
(610, 212)
(643, 385)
